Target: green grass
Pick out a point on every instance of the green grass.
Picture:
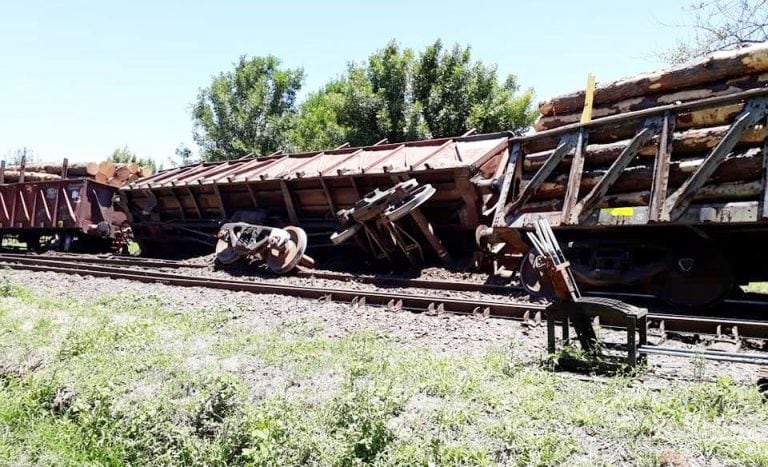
(757, 287)
(132, 380)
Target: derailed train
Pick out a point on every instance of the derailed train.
(667, 198)
(688, 228)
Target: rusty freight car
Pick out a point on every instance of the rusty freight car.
(670, 200)
(67, 211)
(323, 192)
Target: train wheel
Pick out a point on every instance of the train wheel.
(531, 278)
(284, 260)
(696, 277)
(225, 253)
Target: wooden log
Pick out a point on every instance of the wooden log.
(733, 86)
(116, 182)
(12, 176)
(699, 119)
(739, 167)
(75, 169)
(712, 193)
(548, 123)
(683, 143)
(718, 66)
(101, 178)
(145, 171)
(107, 169)
(122, 173)
(92, 168)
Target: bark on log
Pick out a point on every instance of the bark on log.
(718, 66)
(714, 193)
(683, 143)
(12, 176)
(684, 121)
(739, 167)
(77, 169)
(691, 119)
(645, 102)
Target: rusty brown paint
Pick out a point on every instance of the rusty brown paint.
(659, 186)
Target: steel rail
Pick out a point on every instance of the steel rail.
(395, 301)
(676, 323)
(751, 358)
(115, 260)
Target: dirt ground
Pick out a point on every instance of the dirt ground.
(453, 334)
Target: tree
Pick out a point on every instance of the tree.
(720, 25)
(183, 156)
(399, 96)
(457, 94)
(126, 156)
(318, 124)
(248, 110)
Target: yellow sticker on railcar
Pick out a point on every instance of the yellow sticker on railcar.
(621, 212)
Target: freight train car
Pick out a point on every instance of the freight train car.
(670, 200)
(440, 182)
(64, 213)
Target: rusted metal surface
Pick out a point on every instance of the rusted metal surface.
(281, 249)
(62, 205)
(307, 189)
(718, 188)
(522, 207)
(374, 223)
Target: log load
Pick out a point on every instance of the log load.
(741, 166)
(717, 67)
(734, 86)
(694, 136)
(683, 143)
(106, 172)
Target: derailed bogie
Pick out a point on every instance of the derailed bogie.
(681, 266)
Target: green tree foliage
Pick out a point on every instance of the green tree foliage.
(318, 124)
(457, 94)
(182, 156)
(720, 25)
(126, 156)
(399, 96)
(248, 110)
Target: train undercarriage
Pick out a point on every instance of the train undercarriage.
(691, 267)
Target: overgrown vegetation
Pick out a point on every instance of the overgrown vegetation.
(136, 380)
(126, 156)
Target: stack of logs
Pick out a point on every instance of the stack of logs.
(695, 133)
(107, 172)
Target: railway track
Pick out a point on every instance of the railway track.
(531, 313)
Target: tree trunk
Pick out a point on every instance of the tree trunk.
(714, 193)
(719, 66)
(683, 143)
(740, 167)
(107, 169)
(12, 176)
(654, 100)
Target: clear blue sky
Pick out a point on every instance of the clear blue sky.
(80, 78)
